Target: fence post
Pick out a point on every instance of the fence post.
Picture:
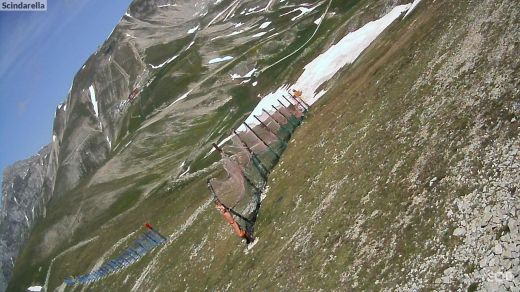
(288, 121)
(265, 126)
(304, 108)
(308, 106)
(283, 105)
(253, 156)
(269, 147)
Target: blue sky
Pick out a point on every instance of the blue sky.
(40, 52)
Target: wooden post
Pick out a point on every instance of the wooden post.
(253, 155)
(304, 108)
(308, 106)
(265, 126)
(217, 148)
(269, 147)
(271, 117)
(288, 121)
(281, 103)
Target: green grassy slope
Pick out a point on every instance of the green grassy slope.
(362, 197)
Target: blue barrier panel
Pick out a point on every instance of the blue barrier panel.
(150, 237)
(139, 248)
(142, 242)
(157, 236)
(135, 252)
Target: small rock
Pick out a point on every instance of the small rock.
(483, 263)
(516, 271)
(507, 254)
(506, 264)
(516, 261)
(509, 276)
(505, 238)
(459, 231)
(498, 249)
(513, 226)
(485, 219)
(491, 286)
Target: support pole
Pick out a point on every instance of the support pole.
(253, 156)
(265, 126)
(308, 106)
(217, 148)
(283, 105)
(288, 121)
(269, 147)
(272, 117)
(304, 108)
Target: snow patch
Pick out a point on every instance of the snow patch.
(250, 73)
(166, 5)
(259, 34)
(93, 99)
(109, 143)
(194, 29)
(219, 144)
(319, 20)
(346, 51)
(251, 245)
(184, 173)
(251, 10)
(302, 10)
(238, 76)
(267, 103)
(54, 138)
(35, 288)
(265, 24)
(189, 46)
(236, 32)
(255, 83)
(218, 60)
(164, 63)
(238, 24)
(182, 97)
(414, 4)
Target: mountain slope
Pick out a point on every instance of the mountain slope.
(405, 174)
